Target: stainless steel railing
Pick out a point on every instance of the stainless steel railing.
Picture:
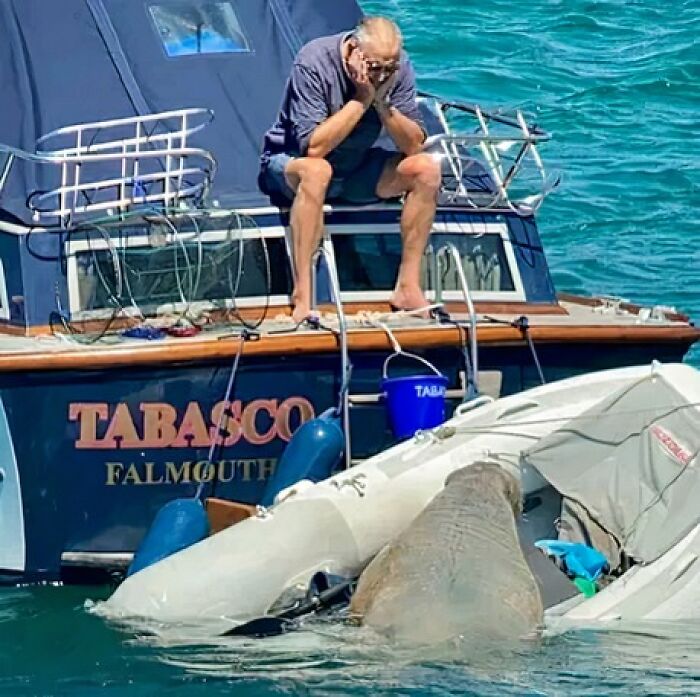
(441, 256)
(113, 166)
(325, 251)
(497, 167)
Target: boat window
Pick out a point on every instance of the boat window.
(192, 27)
(369, 262)
(483, 260)
(182, 271)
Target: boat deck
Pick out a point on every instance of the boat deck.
(573, 320)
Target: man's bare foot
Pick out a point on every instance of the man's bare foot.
(408, 299)
(301, 312)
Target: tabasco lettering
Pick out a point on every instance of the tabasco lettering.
(161, 425)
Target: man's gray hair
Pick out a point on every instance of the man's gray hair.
(372, 27)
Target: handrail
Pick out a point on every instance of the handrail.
(477, 139)
(325, 250)
(450, 249)
(153, 164)
(457, 149)
(128, 120)
(146, 138)
(55, 158)
(474, 109)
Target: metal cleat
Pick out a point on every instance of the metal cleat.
(611, 305)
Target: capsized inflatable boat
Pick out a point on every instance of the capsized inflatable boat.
(619, 448)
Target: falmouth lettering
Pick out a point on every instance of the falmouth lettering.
(188, 472)
(101, 426)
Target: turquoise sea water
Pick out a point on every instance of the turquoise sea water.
(617, 82)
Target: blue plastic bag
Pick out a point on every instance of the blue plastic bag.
(580, 560)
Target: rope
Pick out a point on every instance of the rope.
(470, 391)
(571, 419)
(394, 341)
(225, 413)
(114, 273)
(418, 312)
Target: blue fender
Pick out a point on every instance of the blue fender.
(314, 450)
(179, 524)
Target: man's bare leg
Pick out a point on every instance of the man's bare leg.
(309, 177)
(419, 177)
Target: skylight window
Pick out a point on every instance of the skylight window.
(192, 27)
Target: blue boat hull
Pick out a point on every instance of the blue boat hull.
(100, 452)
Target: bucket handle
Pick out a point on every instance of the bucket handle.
(408, 355)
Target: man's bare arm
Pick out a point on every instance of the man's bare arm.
(335, 129)
(405, 132)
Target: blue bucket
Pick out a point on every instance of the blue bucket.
(414, 402)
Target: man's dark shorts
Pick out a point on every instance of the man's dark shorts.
(357, 186)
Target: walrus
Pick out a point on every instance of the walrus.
(457, 571)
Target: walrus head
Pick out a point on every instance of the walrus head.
(485, 475)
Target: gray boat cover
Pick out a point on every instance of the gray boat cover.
(632, 462)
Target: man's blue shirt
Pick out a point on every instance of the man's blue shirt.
(319, 87)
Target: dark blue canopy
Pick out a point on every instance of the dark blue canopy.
(76, 61)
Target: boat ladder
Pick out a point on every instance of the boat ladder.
(326, 252)
(443, 256)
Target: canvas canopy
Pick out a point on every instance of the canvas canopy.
(77, 61)
(632, 463)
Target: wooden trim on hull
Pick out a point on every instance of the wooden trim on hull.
(196, 350)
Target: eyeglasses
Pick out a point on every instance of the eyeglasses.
(380, 68)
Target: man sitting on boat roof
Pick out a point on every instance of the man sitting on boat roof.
(342, 90)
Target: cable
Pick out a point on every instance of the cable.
(523, 324)
(225, 414)
(268, 276)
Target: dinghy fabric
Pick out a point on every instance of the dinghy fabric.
(78, 61)
(632, 463)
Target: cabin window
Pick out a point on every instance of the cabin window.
(183, 271)
(369, 262)
(191, 27)
(484, 263)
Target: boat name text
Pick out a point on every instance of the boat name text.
(159, 425)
